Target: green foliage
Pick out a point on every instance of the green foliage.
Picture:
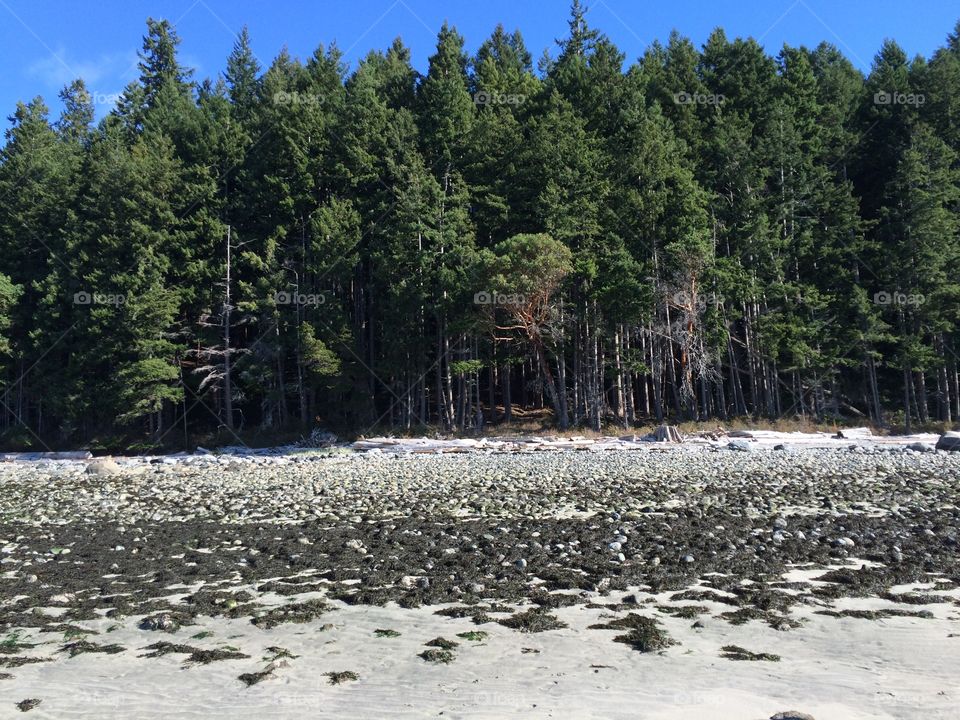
(702, 233)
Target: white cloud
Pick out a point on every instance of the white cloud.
(108, 71)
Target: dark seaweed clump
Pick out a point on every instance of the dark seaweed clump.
(343, 676)
(735, 652)
(293, 613)
(81, 647)
(196, 656)
(644, 633)
(532, 621)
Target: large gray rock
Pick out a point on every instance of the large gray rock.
(949, 441)
(739, 445)
(792, 715)
(103, 466)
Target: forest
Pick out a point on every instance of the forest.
(697, 234)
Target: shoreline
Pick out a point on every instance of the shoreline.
(741, 440)
(709, 583)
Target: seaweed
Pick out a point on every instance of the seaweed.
(687, 612)
(644, 636)
(81, 647)
(735, 652)
(293, 613)
(437, 655)
(336, 678)
(196, 656)
(532, 621)
(253, 678)
(28, 704)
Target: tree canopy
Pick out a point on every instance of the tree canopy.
(700, 234)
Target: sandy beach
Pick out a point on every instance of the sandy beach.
(670, 583)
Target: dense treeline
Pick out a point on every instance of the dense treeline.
(700, 234)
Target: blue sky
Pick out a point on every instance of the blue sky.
(45, 43)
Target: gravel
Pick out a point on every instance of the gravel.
(426, 529)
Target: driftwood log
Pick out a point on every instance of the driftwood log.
(664, 433)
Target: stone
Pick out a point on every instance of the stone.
(739, 446)
(103, 466)
(949, 441)
(792, 715)
(159, 622)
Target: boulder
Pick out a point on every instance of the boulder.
(739, 445)
(103, 466)
(949, 441)
(791, 715)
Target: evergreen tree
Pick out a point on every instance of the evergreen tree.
(705, 234)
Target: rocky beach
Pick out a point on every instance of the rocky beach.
(665, 581)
